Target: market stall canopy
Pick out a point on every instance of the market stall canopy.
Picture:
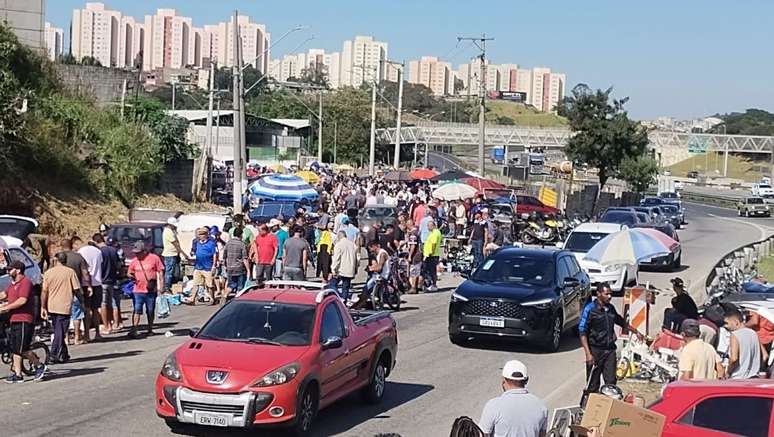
(283, 187)
(343, 167)
(454, 191)
(450, 176)
(631, 246)
(422, 174)
(481, 184)
(309, 177)
(278, 168)
(398, 176)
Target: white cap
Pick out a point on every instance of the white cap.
(172, 221)
(515, 370)
(274, 222)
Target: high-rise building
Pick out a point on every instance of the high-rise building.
(506, 71)
(130, 43)
(553, 91)
(214, 44)
(392, 72)
(275, 68)
(334, 69)
(470, 73)
(361, 61)
(26, 18)
(169, 41)
(255, 43)
(54, 41)
(539, 76)
(521, 81)
(432, 73)
(95, 33)
(292, 66)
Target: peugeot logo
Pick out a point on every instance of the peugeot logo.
(492, 304)
(216, 377)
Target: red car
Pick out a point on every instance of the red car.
(275, 356)
(717, 408)
(528, 204)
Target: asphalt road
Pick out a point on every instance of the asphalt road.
(107, 389)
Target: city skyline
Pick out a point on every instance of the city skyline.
(669, 59)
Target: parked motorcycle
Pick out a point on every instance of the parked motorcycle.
(539, 231)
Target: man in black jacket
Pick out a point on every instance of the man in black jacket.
(597, 335)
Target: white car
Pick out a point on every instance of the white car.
(583, 238)
(13, 251)
(762, 190)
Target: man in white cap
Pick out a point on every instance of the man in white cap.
(516, 412)
(171, 252)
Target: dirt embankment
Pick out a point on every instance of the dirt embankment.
(63, 213)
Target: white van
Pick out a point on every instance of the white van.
(583, 238)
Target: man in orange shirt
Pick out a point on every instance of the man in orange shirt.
(763, 327)
(147, 270)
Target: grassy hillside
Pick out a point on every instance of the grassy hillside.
(712, 165)
(522, 115)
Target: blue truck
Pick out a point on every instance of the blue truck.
(497, 155)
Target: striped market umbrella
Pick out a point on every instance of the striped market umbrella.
(282, 187)
(631, 246)
(309, 177)
(422, 174)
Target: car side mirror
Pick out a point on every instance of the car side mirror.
(332, 342)
(193, 331)
(570, 282)
(560, 244)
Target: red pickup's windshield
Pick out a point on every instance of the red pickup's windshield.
(261, 322)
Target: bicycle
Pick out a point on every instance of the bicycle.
(38, 348)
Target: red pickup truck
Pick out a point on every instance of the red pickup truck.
(275, 356)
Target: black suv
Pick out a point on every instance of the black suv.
(518, 293)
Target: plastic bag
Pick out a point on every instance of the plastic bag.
(162, 307)
(127, 288)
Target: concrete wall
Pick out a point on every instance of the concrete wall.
(178, 179)
(102, 83)
(27, 19)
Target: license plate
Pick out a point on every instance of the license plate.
(212, 419)
(492, 322)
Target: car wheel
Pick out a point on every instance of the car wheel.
(374, 391)
(554, 337)
(678, 262)
(306, 410)
(458, 339)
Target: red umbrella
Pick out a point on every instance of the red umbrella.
(423, 173)
(481, 184)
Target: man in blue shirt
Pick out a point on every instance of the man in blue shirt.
(281, 232)
(205, 253)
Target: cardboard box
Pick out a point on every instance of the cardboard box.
(618, 419)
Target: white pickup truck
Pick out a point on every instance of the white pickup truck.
(763, 190)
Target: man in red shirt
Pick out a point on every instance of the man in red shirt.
(265, 247)
(21, 308)
(147, 270)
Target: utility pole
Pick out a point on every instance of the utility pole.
(320, 132)
(242, 115)
(480, 42)
(396, 161)
(173, 95)
(237, 187)
(208, 140)
(372, 144)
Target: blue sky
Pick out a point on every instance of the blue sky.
(672, 58)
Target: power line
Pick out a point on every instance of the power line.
(480, 42)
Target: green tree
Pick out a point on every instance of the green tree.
(603, 135)
(315, 74)
(750, 122)
(170, 131)
(90, 60)
(639, 172)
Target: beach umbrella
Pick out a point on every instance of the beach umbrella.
(422, 174)
(450, 176)
(309, 177)
(282, 187)
(631, 246)
(398, 176)
(278, 168)
(481, 184)
(454, 191)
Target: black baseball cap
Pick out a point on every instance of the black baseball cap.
(16, 265)
(677, 281)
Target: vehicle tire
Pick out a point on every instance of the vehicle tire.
(747, 213)
(677, 262)
(306, 410)
(554, 339)
(458, 339)
(374, 391)
(41, 350)
(176, 427)
(739, 212)
(391, 296)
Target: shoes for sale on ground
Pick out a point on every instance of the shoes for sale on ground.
(14, 378)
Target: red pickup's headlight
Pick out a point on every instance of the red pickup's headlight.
(279, 376)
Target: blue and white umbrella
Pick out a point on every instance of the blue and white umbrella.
(283, 187)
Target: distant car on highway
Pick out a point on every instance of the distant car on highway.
(582, 239)
(731, 407)
(673, 214)
(753, 206)
(384, 214)
(628, 218)
(652, 201)
(654, 212)
(275, 356)
(763, 190)
(673, 261)
(692, 174)
(522, 294)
